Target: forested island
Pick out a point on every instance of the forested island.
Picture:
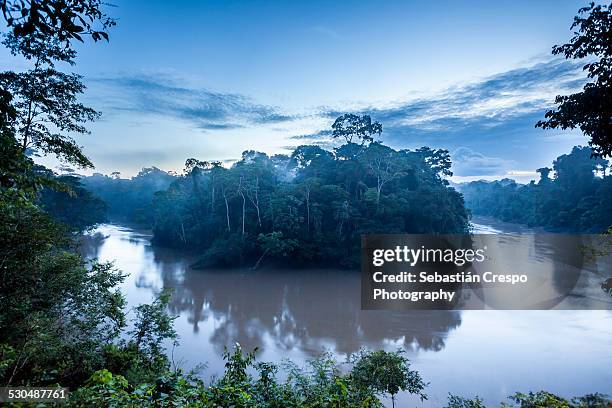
(64, 321)
(321, 201)
(312, 205)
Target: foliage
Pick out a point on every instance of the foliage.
(20, 178)
(62, 317)
(591, 109)
(575, 200)
(129, 199)
(274, 244)
(57, 312)
(455, 401)
(73, 205)
(244, 383)
(152, 327)
(540, 399)
(350, 126)
(549, 400)
(59, 19)
(318, 201)
(45, 100)
(387, 373)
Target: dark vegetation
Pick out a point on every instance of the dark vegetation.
(129, 200)
(575, 199)
(311, 206)
(62, 319)
(591, 109)
(72, 205)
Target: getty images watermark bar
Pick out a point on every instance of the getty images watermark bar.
(507, 272)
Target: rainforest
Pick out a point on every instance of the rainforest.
(184, 188)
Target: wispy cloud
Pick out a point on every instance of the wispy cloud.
(488, 124)
(206, 109)
(482, 105)
(494, 103)
(467, 162)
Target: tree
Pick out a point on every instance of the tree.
(574, 200)
(311, 161)
(353, 127)
(323, 201)
(226, 181)
(216, 169)
(45, 100)
(64, 20)
(384, 164)
(438, 160)
(43, 31)
(16, 175)
(544, 172)
(152, 326)
(194, 169)
(387, 373)
(57, 311)
(275, 245)
(576, 171)
(256, 174)
(78, 208)
(455, 401)
(591, 109)
(306, 187)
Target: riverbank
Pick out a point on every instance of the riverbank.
(488, 225)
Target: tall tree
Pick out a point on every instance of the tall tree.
(354, 128)
(384, 164)
(46, 103)
(591, 109)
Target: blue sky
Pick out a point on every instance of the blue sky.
(210, 79)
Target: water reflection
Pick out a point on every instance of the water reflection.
(560, 276)
(91, 243)
(297, 314)
(281, 309)
(300, 309)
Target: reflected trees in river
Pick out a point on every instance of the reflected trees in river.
(306, 309)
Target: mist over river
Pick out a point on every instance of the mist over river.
(297, 314)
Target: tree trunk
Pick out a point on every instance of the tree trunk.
(30, 116)
(308, 211)
(272, 214)
(258, 214)
(243, 211)
(183, 233)
(212, 200)
(254, 198)
(227, 212)
(257, 201)
(260, 259)
(379, 186)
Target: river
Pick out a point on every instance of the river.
(299, 314)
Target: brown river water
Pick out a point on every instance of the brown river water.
(297, 314)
